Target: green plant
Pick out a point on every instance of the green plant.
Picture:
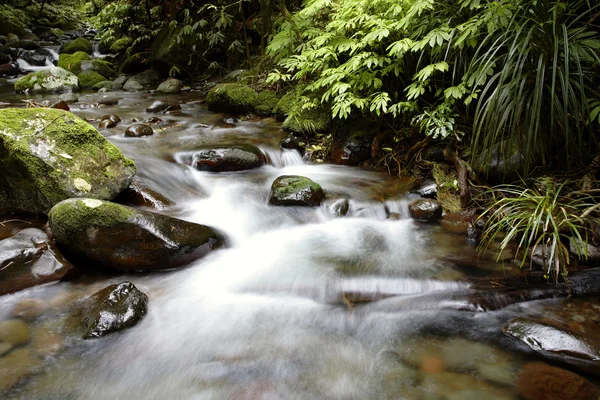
(544, 216)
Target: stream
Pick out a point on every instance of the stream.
(269, 317)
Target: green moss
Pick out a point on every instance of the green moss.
(136, 63)
(231, 97)
(266, 102)
(79, 44)
(83, 213)
(72, 62)
(293, 184)
(121, 45)
(307, 121)
(110, 86)
(285, 104)
(102, 67)
(57, 32)
(87, 79)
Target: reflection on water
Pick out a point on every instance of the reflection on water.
(303, 305)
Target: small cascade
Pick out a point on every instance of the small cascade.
(282, 157)
(26, 67)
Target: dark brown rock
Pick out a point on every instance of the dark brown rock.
(425, 210)
(226, 159)
(163, 107)
(138, 130)
(540, 381)
(456, 223)
(292, 190)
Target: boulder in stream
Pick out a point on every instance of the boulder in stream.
(79, 44)
(53, 80)
(226, 159)
(113, 309)
(109, 235)
(540, 381)
(425, 210)
(139, 130)
(160, 106)
(133, 85)
(28, 259)
(49, 155)
(294, 190)
(171, 85)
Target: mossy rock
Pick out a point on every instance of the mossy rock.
(102, 234)
(102, 67)
(293, 190)
(49, 155)
(72, 62)
(231, 97)
(285, 104)
(87, 79)
(307, 121)
(265, 103)
(109, 86)
(136, 63)
(53, 80)
(24, 44)
(57, 32)
(79, 44)
(121, 45)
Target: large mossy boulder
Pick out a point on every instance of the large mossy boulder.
(113, 309)
(98, 233)
(233, 98)
(266, 101)
(305, 121)
(121, 45)
(49, 155)
(27, 259)
(135, 63)
(79, 44)
(102, 67)
(53, 80)
(72, 62)
(293, 190)
(87, 79)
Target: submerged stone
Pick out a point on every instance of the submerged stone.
(27, 260)
(113, 309)
(226, 159)
(49, 155)
(109, 235)
(539, 381)
(79, 44)
(293, 190)
(160, 106)
(139, 130)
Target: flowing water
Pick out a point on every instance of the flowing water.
(269, 317)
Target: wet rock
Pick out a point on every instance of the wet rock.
(339, 207)
(147, 78)
(111, 117)
(137, 196)
(113, 236)
(227, 159)
(27, 260)
(24, 44)
(107, 86)
(542, 337)
(28, 309)
(16, 332)
(152, 120)
(9, 69)
(34, 58)
(113, 309)
(163, 107)
(48, 81)
(107, 123)
(108, 101)
(231, 97)
(352, 148)
(540, 381)
(456, 223)
(88, 79)
(79, 44)
(503, 164)
(121, 80)
(120, 45)
(425, 210)
(293, 190)
(139, 130)
(47, 339)
(15, 367)
(49, 155)
(577, 247)
(171, 85)
(427, 189)
(133, 85)
(61, 105)
(101, 67)
(434, 153)
(72, 62)
(69, 98)
(291, 143)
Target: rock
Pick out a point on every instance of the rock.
(120, 80)
(16, 367)
(266, 101)
(72, 62)
(60, 105)
(226, 159)
(110, 235)
(231, 97)
(112, 117)
(434, 153)
(121, 45)
(68, 98)
(136, 63)
(108, 101)
(34, 58)
(113, 309)
(88, 79)
(24, 44)
(133, 86)
(171, 85)
(160, 106)
(5, 58)
(107, 86)
(339, 208)
(138, 130)
(503, 163)
(291, 143)
(147, 78)
(427, 189)
(137, 196)
(28, 309)
(79, 44)
(352, 148)
(292, 190)
(11, 37)
(540, 381)
(49, 155)
(425, 210)
(15, 332)
(48, 81)
(9, 69)
(27, 260)
(542, 337)
(102, 67)
(456, 223)
(577, 247)
(153, 121)
(169, 50)
(107, 123)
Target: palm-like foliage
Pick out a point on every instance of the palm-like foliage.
(545, 216)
